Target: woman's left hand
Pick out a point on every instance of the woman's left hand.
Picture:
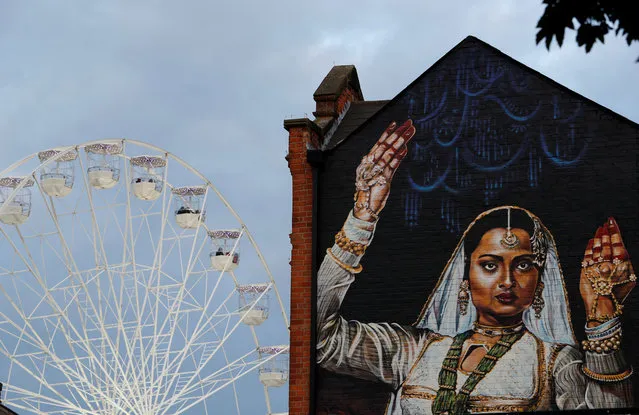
(607, 275)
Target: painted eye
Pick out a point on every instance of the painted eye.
(524, 266)
(489, 266)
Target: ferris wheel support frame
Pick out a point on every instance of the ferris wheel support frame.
(82, 339)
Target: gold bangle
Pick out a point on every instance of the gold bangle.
(346, 244)
(352, 270)
(372, 213)
(594, 318)
(599, 377)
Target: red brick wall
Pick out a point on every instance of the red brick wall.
(333, 106)
(348, 95)
(301, 269)
(305, 135)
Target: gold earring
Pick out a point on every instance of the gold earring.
(463, 296)
(538, 301)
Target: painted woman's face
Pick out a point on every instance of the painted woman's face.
(502, 280)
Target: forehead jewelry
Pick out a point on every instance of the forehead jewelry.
(509, 240)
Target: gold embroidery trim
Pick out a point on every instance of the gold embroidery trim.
(477, 403)
(551, 366)
(538, 395)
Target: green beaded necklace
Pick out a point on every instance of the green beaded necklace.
(447, 399)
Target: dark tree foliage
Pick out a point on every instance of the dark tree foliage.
(594, 18)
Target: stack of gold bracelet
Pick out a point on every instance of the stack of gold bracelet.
(347, 245)
(603, 345)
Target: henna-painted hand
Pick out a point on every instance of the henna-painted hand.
(607, 275)
(376, 171)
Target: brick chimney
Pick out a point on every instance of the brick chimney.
(306, 138)
(340, 86)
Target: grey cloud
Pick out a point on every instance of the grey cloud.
(213, 81)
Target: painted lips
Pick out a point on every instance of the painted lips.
(506, 298)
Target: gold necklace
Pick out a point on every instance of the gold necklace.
(492, 331)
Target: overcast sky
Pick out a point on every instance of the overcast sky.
(212, 81)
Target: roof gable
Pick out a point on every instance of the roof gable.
(468, 53)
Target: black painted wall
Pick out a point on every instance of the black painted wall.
(489, 132)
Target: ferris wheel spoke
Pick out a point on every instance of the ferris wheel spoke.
(152, 357)
(170, 368)
(100, 245)
(129, 245)
(257, 345)
(218, 380)
(89, 348)
(234, 384)
(177, 303)
(71, 341)
(29, 371)
(80, 385)
(174, 308)
(212, 294)
(32, 401)
(83, 297)
(226, 335)
(35, 273)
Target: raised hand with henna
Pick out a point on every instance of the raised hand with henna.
(607, 275)
(375, 173)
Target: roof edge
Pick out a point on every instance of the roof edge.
(301, 122)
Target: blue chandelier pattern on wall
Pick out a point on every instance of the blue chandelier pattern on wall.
(482, 128)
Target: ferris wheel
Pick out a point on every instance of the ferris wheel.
(129, 285)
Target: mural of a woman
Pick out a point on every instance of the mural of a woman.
(495, 335)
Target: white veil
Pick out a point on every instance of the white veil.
(440, 313)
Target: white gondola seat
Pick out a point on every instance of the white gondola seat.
(274, 372)
(13, 214)
(56, 176)
(188, 214)
(147, 176)
(55, 185)
(224, 261)
(102, 177)
(103, 158)
(225, 253)
(15, 211)
(273, 378)
(187, 218)
(254, 316)
(253, 303)
(146, 189)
